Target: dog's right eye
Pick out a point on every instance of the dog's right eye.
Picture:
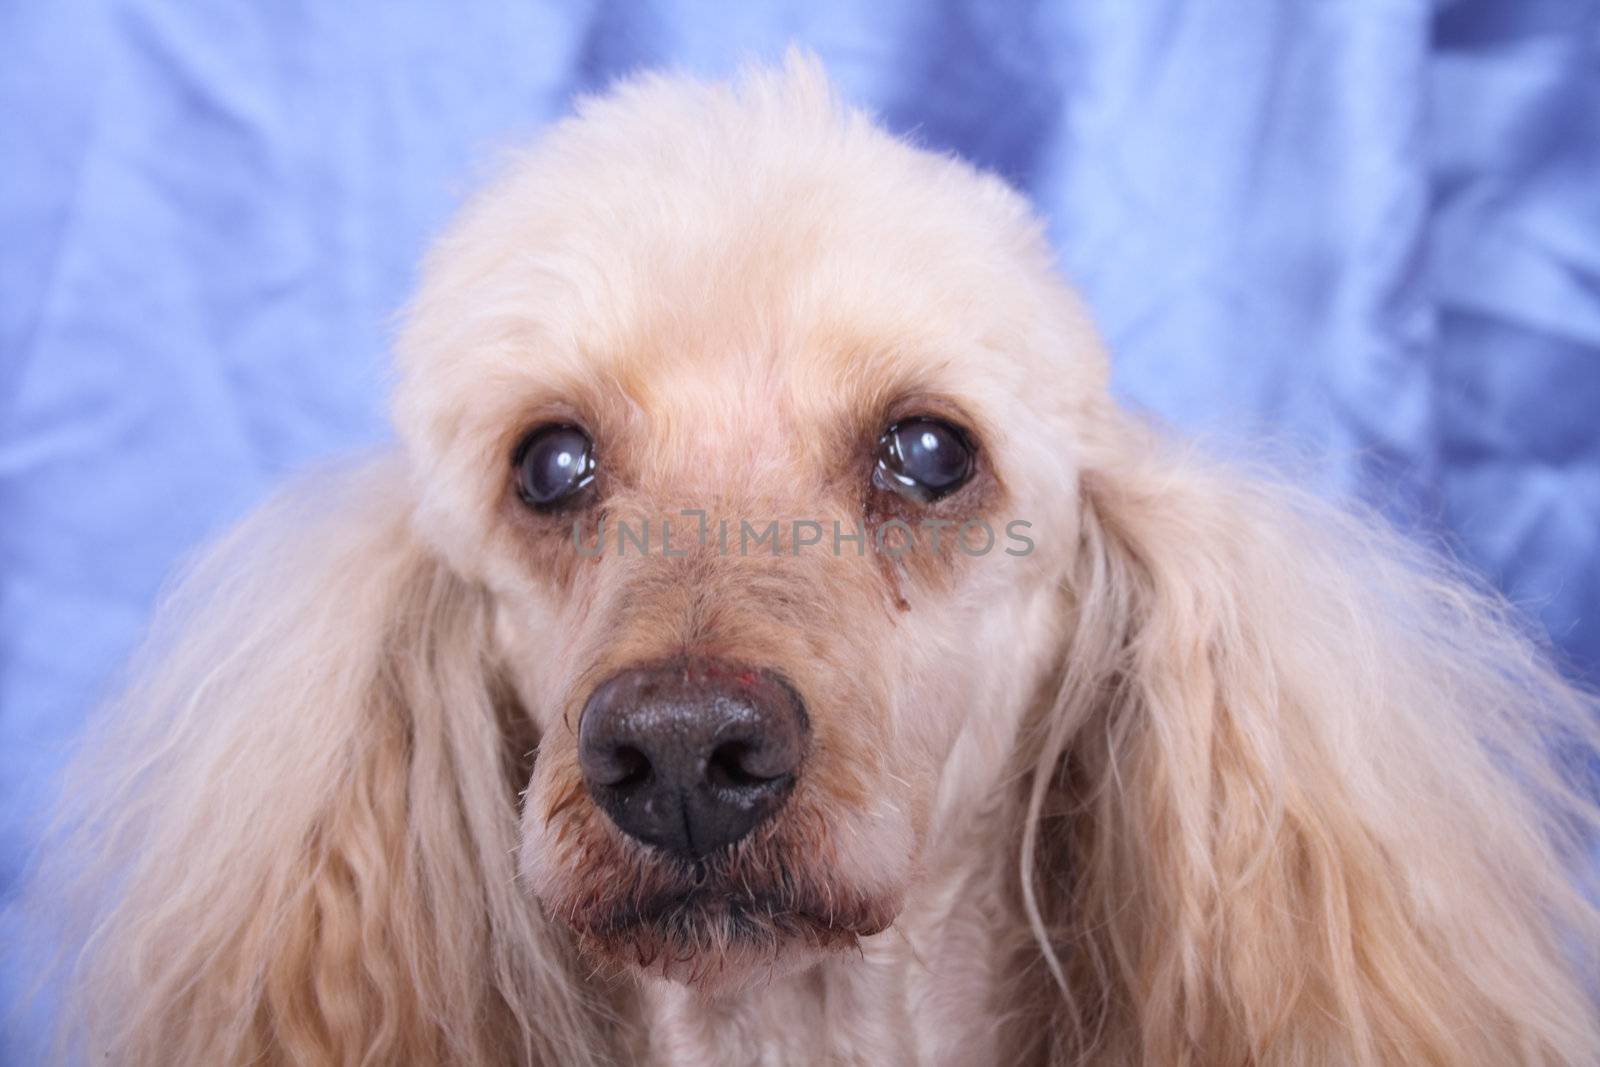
(923, 458)
(553, 464)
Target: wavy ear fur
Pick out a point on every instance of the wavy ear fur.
(1306, 796)
(306, 807)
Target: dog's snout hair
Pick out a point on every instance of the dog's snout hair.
(498, 749)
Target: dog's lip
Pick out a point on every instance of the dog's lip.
(759, 914)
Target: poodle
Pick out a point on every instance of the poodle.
(769, 642)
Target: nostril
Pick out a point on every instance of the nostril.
(731, 767)
(622, 766)
(632, 767)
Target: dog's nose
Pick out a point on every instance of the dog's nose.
(692, 755)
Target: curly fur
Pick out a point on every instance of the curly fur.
(1220, 774)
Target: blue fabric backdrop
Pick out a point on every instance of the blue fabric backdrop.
(1371, 227)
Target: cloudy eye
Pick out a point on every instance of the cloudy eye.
(923, 459)
(553, 463)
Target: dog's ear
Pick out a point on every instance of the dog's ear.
(1305, 796)
(302, 815)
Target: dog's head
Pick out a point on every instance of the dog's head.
(760, 426)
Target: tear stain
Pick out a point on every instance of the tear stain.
(895, 571)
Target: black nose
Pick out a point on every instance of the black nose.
(691, 756)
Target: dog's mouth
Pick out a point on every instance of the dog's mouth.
(708, 918)
(722, 920)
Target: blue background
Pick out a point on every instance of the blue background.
(1370, 228)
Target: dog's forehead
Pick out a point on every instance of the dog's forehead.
(793, 278)
(751, 325)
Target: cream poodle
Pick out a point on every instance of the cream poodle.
(771, 644)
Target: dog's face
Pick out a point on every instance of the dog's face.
(688, 317)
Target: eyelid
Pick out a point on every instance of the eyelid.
(937, 406)
(538, 429)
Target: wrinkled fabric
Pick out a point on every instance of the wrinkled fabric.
(1367, 230)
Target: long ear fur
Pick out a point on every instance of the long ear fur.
(1305, 797)
(305, 816)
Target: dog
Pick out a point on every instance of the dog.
(769, 642)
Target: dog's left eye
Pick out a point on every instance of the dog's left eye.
(553, 463)
(923, 459)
